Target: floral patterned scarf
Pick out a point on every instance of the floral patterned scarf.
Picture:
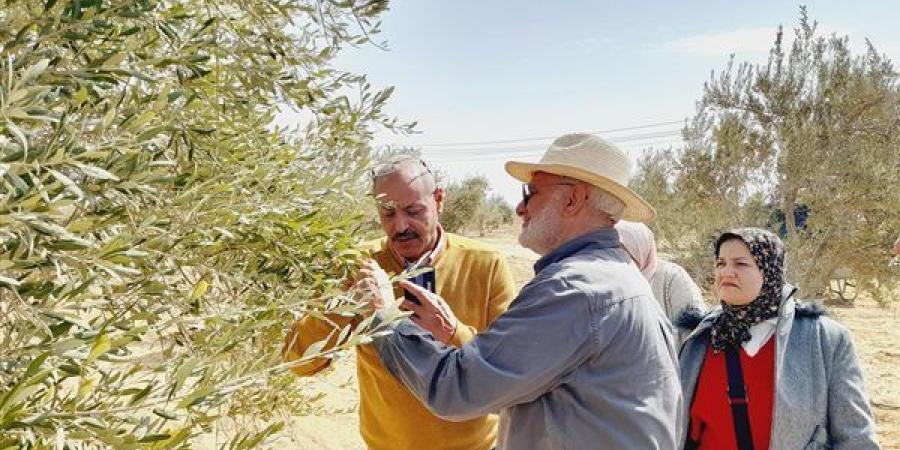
(732, 327)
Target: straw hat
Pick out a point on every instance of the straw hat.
(590, 159)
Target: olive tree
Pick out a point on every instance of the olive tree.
(158, 232)
(465, 199)
(808, 144)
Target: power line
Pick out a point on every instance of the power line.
(544, 138)
(527, 153)
(472, 151)
(633, 145)
(645, 136)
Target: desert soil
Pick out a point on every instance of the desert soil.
(876, 333)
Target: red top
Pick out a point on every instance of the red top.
(711, 422)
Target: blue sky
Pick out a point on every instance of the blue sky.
(497, 70)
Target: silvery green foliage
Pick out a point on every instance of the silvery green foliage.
(464, 200)
(158, 233)
(815, 128)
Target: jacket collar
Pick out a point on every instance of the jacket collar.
(787, 309)
(597, 239)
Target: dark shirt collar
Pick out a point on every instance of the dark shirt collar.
(597, 239)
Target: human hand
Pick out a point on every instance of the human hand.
(432, 313)
(373, 286)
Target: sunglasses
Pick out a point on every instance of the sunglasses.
(528, 192)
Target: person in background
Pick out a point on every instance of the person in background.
(672, 286)
(474, 284)
(764, 371)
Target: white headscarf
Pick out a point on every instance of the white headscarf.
(640, 244)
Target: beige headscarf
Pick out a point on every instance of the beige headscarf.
(640, 244)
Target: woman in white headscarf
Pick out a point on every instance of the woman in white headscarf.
(672, 286)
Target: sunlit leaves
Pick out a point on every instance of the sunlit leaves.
(156, 232)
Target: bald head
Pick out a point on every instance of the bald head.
(406, 170)
(408, 204)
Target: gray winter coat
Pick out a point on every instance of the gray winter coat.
(820, 399)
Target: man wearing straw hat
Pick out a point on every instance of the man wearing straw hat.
(584, 357)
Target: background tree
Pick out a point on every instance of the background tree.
(494, 213)
(468, 207)
(158, 233)
(814, 135)
(464, 199)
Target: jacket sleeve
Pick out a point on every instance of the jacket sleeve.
(306, 332)
(850, 422)
(516, 360)
(501, 290)
(685, 293)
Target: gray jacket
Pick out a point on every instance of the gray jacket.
(820, 400)
(676, 292)
(582, 359)
(675, 289)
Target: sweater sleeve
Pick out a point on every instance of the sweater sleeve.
(306, 332)
(309, 329)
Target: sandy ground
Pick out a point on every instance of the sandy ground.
(876, 332)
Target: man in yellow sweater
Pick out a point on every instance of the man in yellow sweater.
(475, 283)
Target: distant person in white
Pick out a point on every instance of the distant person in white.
(672, 286)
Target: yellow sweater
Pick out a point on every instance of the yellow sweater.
(476, 282)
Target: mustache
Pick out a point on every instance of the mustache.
(405, 234)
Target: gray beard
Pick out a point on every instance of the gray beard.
(539, 235)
